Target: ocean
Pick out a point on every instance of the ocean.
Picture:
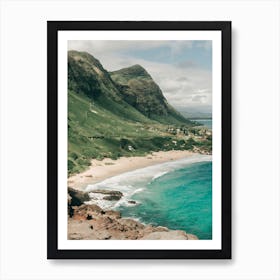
(176, 194)
(204, 122)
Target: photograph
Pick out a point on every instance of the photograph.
(139, 139)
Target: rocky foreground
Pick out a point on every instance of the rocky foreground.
(91, 222)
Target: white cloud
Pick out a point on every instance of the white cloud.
(99, 46)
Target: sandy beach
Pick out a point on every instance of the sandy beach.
(103, 169)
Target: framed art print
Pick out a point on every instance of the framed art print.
(139, 140)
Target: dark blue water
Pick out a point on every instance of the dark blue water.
(180, 199)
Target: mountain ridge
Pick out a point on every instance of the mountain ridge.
(140, 90)
(120, 113)
(133, 84)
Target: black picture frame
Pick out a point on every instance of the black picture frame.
(53, 27)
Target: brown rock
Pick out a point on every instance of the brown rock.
(169, 235)
(114, 214)
(86, 212)
(112, 197)
(131, 224)
(160, 228)
(109, 195)
(132, 201)
(108, 192)
(192, 236)
(92, 222)
(77, 197)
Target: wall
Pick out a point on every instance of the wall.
(255, 139)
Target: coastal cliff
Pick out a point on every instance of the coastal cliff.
(91, 222)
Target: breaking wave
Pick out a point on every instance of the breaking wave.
(132, 182)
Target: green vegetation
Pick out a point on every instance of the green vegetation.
(139, 90)
(109, 116)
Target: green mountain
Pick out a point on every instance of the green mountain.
(139, 90)
(122, 113)
(88, 78)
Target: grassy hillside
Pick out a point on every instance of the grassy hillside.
(101, 123)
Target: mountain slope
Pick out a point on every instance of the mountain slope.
(103, 122)
(139, 90)
(87, 77)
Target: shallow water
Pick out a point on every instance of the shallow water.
(175, 194)
(181, 199)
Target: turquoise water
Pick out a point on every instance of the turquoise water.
(206, 122)
(175, 194)
(181, 199)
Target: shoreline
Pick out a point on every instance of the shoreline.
(94, 222)
(90, 222)
(100, 170)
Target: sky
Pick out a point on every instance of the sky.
(182, 69)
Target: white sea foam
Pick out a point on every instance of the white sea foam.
(129, 182)
(125, 202)
(137, 191)
(145, 174)
(98, 200)
(159, 175)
